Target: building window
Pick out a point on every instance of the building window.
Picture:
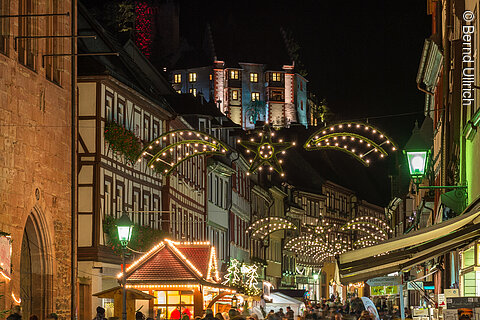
(107, 198)
(4, 24)
(108, 107)
(210, 77)
(26, 27)
(276, 76)
(234, 94)
(301, 105)
(234, 74)
(146, 128)
(255, 96)
(119, 199)
(192, 77)
(276, 95)
(120, 111)
(193, 91)
(253, 77)
(177, 78)
(52, 64)
(301, 86)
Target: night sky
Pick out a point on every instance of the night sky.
(362, 56)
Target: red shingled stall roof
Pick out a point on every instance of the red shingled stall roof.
(166, 265)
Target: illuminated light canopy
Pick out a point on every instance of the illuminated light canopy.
(266, 151)
(360, 140)
(165, 157)
(320, 243)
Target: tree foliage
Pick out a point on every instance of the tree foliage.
(293, 49)
(143, 237)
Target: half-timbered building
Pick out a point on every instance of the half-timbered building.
(114, 92)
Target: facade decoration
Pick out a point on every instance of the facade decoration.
(362, 141)
(172, 148)
(122, 142)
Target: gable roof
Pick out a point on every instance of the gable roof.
(175, 262)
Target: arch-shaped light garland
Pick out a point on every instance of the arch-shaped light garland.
(164, 155)
(263, 227)
(325, 241)
(362, 141)
(266, 151)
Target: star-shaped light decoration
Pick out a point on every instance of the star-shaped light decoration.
(266, 151)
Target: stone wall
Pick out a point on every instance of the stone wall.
(35, 164)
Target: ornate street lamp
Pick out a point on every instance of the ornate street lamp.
(417, 151)
(124, 228)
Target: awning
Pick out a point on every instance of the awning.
(408, 250)
(131, 293)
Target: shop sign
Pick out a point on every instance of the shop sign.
(377, 291)
(451, 293)
(391, 289)
(414, 285)
(383, 290)
(442, 302)
(385, 281)
(5, 254)
(463, 302)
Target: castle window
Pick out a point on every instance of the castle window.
(234, 74)
(192, 77)
(177, 78)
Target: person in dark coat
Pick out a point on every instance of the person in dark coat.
(100, 314)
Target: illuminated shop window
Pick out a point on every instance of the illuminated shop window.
(178, 78)
(192, 77)
(166, 302)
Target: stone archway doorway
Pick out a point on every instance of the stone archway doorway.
(35, 281)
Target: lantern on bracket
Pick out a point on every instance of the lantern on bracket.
(417, 151)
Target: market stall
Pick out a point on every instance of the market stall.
(280, 300)
(182, 277)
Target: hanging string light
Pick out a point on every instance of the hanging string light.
(171, 149)
(263, 227)
(266, 151)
